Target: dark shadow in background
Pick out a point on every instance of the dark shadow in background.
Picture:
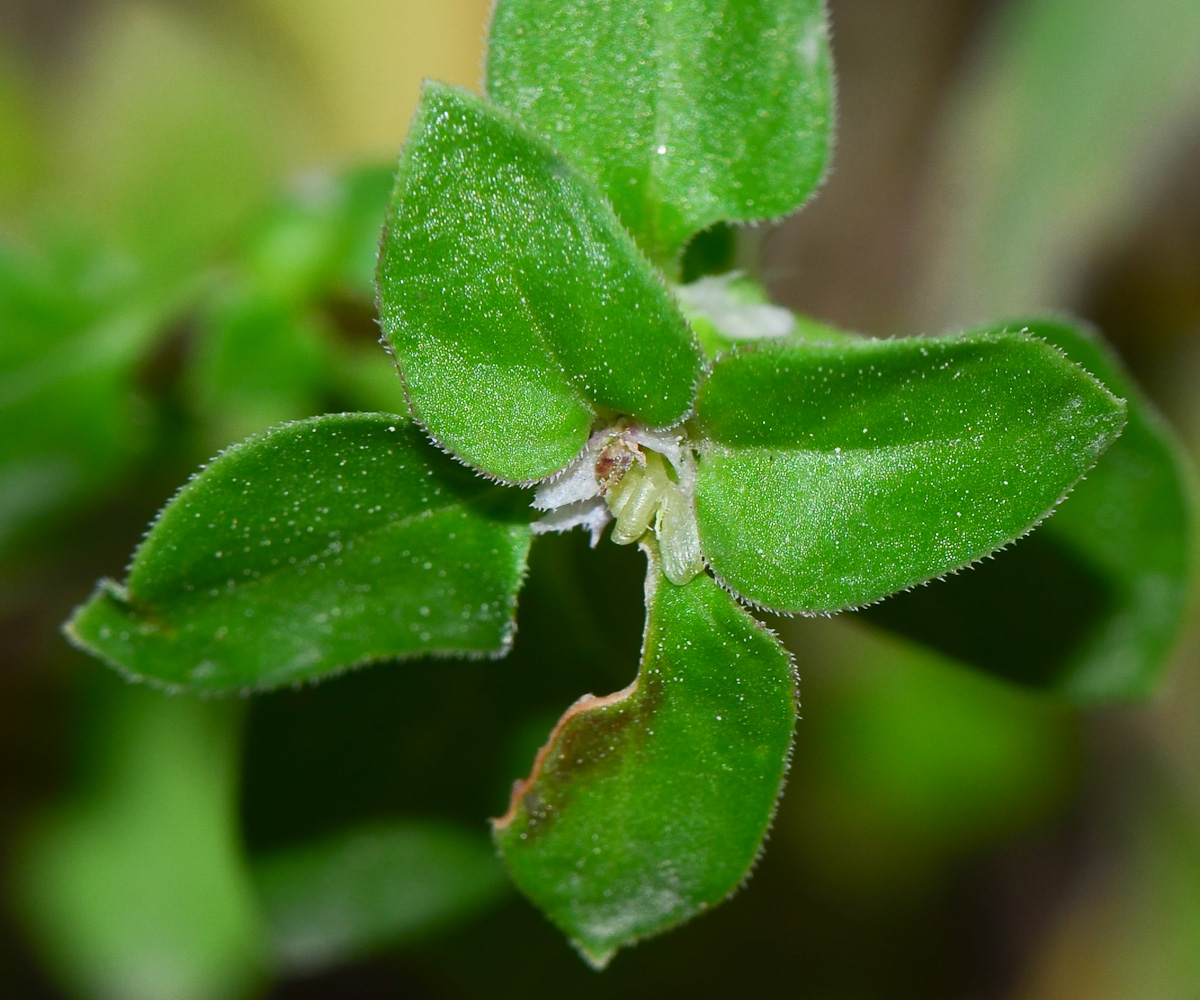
(445, 738)
(1021, 615)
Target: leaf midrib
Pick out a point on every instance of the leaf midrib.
(711, 447)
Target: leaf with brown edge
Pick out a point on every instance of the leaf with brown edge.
(650, 805)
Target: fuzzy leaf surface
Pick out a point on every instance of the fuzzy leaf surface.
(687, 112)
(650, 805)
(319, 545)
(832, 476)
(515, 304)
(1103, 593)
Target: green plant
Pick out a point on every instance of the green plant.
(556, 286)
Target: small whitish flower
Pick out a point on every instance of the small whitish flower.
(642, 478)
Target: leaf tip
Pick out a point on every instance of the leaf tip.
(596, 956)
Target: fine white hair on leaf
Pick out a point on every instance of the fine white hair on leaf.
(622, 475)
(592, 514)
(666, 443)
(577, 483)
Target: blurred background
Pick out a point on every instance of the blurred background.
(190, 192)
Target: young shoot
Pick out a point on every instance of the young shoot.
(644, 481)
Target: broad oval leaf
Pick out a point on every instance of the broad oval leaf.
(688, 112)
(650, 805)
(1103, 593)
(319, 545)
(832, 476)
(515, 304)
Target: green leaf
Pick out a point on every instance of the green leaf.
(650, 805)
(515, 304)
(134, 887)
(1103, 593)
(688, 112)
(362, 890)
(832, 476)
(320, 545)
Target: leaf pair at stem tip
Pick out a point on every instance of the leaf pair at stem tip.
(528, 290)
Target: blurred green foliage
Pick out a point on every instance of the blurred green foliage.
(136, 882)
(366, 889)
(1068, 117)
(915, 763)
(164, 291)
(72, 343)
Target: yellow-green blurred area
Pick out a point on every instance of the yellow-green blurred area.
(189, 205)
